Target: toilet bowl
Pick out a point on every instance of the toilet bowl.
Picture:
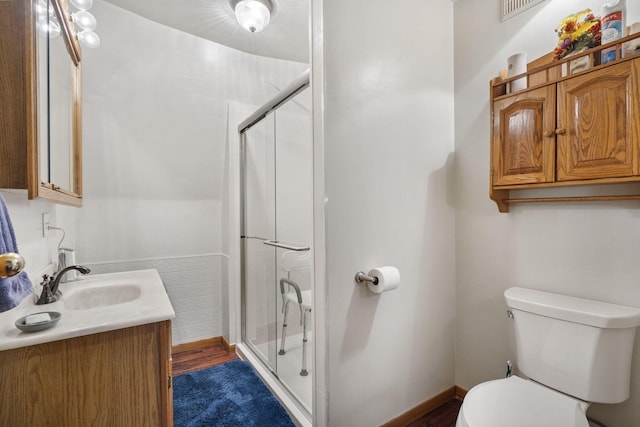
(516, 402)
(574, 351)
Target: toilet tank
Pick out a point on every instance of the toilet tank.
(577, 346)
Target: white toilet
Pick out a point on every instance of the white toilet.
(574, 352)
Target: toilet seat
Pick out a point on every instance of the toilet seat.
(518, 402)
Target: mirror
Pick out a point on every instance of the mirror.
(58, 105)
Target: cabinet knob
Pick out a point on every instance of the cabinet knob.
(560, 131)
(548, 133)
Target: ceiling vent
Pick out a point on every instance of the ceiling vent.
(511, 8)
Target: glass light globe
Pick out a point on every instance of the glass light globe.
(252, 15)
(42, 8)
(49, 27)
(89, 39)
(82, 4)
(84, 20)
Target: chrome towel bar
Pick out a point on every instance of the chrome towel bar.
(290, 246)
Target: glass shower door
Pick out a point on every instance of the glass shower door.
(294, 228)
(259, 219)
(277, 237)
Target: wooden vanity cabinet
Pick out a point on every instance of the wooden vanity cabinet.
(578, 130)
(115, 378)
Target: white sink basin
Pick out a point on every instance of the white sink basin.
(97, 303)
(100, 296)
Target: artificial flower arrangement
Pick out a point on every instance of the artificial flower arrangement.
(577, 32)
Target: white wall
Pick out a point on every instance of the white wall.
(586, 250)
(26, 216)
(154, 135)
(388, 143)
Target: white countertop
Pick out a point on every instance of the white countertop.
(152, 305)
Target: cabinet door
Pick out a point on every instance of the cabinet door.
(597, 136)
(523, 148)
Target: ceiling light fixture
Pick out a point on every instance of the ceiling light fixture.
(82, 4)
(253, 15)
(85, 22)
(47, 22)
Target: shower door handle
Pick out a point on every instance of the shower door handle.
(290, 246)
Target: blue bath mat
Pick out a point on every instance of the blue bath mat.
(226, 395)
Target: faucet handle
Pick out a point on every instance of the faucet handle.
(47, 296)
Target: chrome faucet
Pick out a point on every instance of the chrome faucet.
(50, 284)
(56, 279)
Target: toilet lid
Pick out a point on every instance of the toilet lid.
(518, 402)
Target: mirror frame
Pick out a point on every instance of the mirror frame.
(37, 188)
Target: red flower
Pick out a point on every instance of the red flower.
(559, 52)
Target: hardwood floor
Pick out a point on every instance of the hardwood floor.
(216, 354)
(205, 357)
(444, 416)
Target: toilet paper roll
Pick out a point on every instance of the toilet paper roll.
(517, 64)
(634, 45)
(388, 279)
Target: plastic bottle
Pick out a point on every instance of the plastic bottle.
(614, 26)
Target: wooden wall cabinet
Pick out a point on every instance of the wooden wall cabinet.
(40, 113)
(581, 129)
(523, 134)
(598, 124)
(115, 378)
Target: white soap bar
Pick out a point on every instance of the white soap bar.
(35, 319)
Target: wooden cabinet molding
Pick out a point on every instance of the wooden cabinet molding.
(576, 130)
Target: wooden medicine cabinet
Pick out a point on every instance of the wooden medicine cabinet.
(40, 113)
(567, 129)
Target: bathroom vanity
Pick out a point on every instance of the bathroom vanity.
(106, 362)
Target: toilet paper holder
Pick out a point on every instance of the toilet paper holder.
(362, 277)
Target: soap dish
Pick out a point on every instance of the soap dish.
(35, 327)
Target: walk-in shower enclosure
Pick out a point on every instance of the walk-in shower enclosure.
(276, 184)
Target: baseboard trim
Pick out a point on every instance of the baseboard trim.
(231, 348)
(461, 392)
(207, 342)
(196, 345)
(423, 408)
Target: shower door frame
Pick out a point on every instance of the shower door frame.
(289, 92)
(265, 359)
